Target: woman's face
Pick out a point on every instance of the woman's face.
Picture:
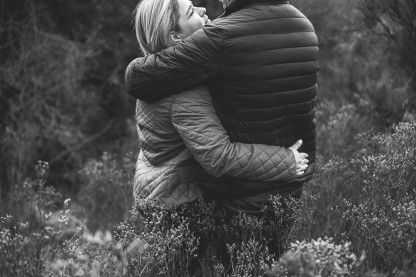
(191, 18)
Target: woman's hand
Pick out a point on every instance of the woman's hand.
(300, 158)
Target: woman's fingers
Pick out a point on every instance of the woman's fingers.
(296, 146)
(300, 157)
(302, 162)
(301, 167)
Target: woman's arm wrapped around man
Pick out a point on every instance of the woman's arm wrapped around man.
(194, 117)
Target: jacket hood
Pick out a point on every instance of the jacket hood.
(235, 5)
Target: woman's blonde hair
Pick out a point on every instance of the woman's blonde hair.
(154, 20)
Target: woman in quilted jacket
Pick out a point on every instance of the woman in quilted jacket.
(181, 136)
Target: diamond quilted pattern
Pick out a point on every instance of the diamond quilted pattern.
(194, 116)
(185, 130)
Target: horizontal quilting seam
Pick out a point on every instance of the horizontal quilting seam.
(269, 79)
(295, 137)
(280, 130)
(247, 36)
(273, 49)
(274, 64)
(311, 111)
(303, 46)
(300, 108)
(230, 17)
(283, 78)
(283, 109)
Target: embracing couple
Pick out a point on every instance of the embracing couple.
(226, 108)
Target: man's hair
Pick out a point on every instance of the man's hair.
(154, 20)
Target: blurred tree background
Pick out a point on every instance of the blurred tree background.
(63, 100)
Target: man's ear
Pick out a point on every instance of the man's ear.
(174, 37)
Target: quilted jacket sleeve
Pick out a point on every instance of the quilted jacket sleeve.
(177, 68)
(194, 117)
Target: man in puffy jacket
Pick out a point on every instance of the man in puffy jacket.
(260, 62)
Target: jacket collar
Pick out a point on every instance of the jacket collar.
(235, 5)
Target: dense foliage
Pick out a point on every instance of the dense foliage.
(63, 101)
(61, 79)
(356, 218)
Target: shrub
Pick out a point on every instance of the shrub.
(60, 83)
(43, 237)
(393, 22)
(25, 232)
(319, 257)
(356, 58)
(367, 198)
(89, 255)
(170, 243)
(106, 196)
(19, 248)
(204, 239)
(43, 102)
(337, 126)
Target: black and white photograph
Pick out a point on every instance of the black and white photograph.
(208, 138)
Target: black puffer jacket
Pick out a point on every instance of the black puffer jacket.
(261, 63)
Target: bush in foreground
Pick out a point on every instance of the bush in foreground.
(361, 203)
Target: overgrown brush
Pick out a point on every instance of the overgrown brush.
(205, 240)
(60, 83)
(361, 205)
(25, 231)
(368, 200)
(106, 196)
(42, 102)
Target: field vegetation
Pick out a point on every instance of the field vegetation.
(68, 146)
